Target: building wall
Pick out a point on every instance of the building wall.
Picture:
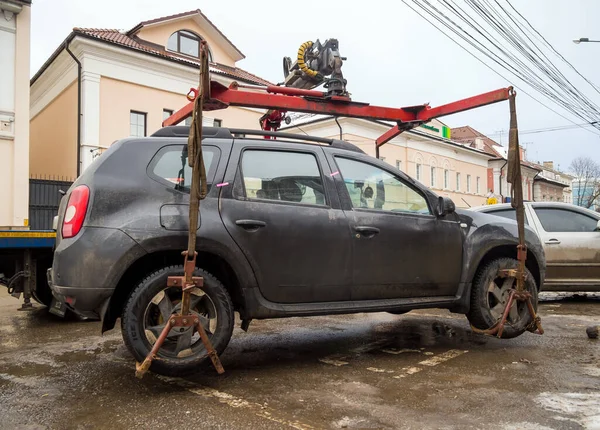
(118, 98)
(545, 192)
(14, 117)
(54, 137)
(159, 34)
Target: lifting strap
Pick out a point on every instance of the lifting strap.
(199, 187)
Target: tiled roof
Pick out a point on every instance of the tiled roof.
(467, 135)
(116, 37)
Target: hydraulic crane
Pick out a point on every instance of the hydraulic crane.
(320, 64)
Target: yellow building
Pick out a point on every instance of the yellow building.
(103, 85)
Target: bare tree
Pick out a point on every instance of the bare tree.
(587, 172)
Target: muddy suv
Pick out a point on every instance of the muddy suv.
(296, 226)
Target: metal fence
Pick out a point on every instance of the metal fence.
(44, 200)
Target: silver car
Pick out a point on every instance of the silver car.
(571, 238)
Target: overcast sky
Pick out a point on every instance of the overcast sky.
(395, 58)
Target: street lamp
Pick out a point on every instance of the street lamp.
(585, 40)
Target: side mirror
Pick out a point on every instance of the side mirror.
(445, 206)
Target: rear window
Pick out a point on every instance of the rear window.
(508, 213)
(170, 166)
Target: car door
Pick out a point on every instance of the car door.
(285, 215)
(571, 243)
(400, 249)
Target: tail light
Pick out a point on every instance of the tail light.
(75, 213)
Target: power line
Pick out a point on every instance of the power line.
(523, 73)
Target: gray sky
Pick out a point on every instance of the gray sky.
(395, 58)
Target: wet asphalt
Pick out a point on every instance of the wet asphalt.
(424, 369)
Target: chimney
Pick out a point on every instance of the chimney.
(479, 144)
(549, 164)
(522, 153)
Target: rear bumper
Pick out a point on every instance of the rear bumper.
(86, 269)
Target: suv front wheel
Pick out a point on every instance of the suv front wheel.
(489, 296)
(152, 303)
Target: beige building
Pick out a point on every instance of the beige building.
(14, 112)
(449, 168)
(541, 182)
(103, 85)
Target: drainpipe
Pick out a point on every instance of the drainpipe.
(500, 182)
(79, 71)
(533, 187)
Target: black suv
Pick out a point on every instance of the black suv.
(296, 226)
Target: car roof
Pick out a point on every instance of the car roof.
(183, 131)
(562, 205)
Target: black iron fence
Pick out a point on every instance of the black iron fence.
(44, 199)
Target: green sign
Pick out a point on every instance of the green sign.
(445, 130)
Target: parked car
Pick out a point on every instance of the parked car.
(297, 226)
(571, 238)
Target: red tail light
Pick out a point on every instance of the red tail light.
(75, 213)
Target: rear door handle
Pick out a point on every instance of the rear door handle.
(250, 224)
(367, 231)
(552, 242)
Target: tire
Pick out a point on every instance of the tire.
(145, 310)
(486, 299)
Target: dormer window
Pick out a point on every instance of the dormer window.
(186, 43)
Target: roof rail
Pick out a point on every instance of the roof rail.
(229, 133)
(184, 131)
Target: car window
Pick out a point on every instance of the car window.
(564, 220)
(282, 175)
(373, 188)
(507, 213)
(170, 165)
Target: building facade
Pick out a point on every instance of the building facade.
(15, 22)
(541, 182)
(103, 85)
(424, 153)
(586, 193)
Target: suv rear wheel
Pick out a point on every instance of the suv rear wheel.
(152, 303)
(489, 296)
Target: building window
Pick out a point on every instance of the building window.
(418, 172)
(457, 181)
(187, 43)
(167, 113)
(137, 124)
(217, 123)
(382, 158)
(478, 185)
(433, 176)
(398, 164)
(468, 183)
(446, 178)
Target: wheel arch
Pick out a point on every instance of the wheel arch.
(509, 251)
(212, 262)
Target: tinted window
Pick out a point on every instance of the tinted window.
(170, 165)
(563, 220)
(373, 188)
(508, 213)
(284, 176)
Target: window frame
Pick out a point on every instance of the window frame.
(399, 165)
(418, 171)
(145, 116)
(478, 185)
(446, 179)
(240, 184)
(397, 177)
(192, 36)
(432, 176)
(169, 111)
(468, 183)
(176, 147)
(458, 184)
